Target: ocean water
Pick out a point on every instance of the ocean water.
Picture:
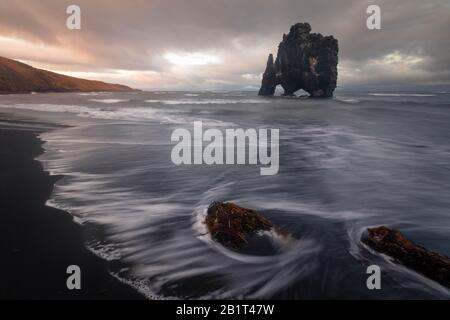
(361, 159)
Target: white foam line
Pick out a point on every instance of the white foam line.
(137, 114)
(402, 94)
(109, 101)
(210, 101)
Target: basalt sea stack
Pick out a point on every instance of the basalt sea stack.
(305, 61)
(392, 243)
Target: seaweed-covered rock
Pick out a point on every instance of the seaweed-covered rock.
(305, 61)
(230, 224)
(392, 243)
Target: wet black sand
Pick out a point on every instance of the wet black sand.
(37, 242)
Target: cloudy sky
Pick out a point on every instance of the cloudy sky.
(213, 44)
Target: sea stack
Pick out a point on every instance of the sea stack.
(305, 61)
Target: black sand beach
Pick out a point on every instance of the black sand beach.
(37, 242)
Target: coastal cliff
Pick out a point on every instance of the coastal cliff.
(17, 77)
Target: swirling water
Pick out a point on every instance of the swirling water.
(361, 159)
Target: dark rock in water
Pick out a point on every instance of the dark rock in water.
(230, 224)
(269, 81)
(305, 61)
(392, 243)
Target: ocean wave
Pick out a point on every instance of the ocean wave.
(155, 212)
(93, 93)
(177, 252)
(108, 101)
(207, 101)
(348, 100)
(138, 114)
(303, 208)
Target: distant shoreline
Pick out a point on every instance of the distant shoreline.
(18, 77)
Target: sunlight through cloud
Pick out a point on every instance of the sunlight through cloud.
(192, 59)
